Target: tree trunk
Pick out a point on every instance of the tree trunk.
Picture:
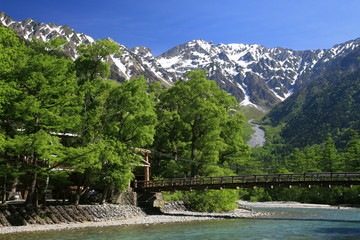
(14, 185)
(77, 195)
(193, 165)
(4, 190)
(31, 199)
(43, 200)
(194, 138)
(104, 194)
(81, 188)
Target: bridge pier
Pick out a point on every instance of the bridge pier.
(150, 202)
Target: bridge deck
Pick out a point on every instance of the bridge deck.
(249, 181)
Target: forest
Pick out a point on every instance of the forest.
(66, 128)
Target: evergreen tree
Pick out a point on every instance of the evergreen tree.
(329, 161)
(352, 154)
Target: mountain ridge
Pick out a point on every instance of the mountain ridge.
(254, 74)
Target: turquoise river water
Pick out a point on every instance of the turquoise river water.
(291, 224)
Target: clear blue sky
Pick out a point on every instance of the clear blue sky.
(163, 24)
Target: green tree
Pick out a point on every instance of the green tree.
(91, 70)
(90, 64)
(199, 121)
(329, 161)
(130, 115)
(212, 200)
(42, 89)
(116, 118)
(352, 154)
(304, 160)
(129, 122)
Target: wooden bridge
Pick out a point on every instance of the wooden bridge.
(249, 181)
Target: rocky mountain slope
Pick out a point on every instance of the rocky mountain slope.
(329, 104)
(254, 74)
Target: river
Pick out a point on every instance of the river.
(333, 224)
(258, 137)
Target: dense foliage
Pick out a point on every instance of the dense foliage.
(63, 125)
(200, 122)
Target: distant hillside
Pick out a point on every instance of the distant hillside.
(330, 104)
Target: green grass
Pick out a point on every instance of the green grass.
(252, 113)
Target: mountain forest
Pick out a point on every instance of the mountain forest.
(68, 128)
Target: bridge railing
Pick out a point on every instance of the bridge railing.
(256, 178)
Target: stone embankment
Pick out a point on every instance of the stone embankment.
(15, 215)
(16, 219)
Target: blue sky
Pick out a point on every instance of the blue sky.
(163, 24)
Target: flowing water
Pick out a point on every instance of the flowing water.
(329, 224)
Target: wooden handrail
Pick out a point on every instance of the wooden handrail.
(256, 179)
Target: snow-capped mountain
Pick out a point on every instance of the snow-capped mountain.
(254, 74)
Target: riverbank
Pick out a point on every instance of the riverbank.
(130, 215)
(134, 216)
(283, 204)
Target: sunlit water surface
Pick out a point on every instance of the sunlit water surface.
(284, 224)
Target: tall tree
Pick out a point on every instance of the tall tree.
(196, 121)
(42, 86)
(129, 122)
(91, 70)
(329, 161)
(352, 154)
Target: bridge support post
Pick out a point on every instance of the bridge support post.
(147, 168)
(150, 202)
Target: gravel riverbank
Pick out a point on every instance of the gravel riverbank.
(169, 216)
(145, 220)
(258, 137)
(283, 204)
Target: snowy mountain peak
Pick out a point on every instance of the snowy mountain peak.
(30, 28)
(5, 19)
